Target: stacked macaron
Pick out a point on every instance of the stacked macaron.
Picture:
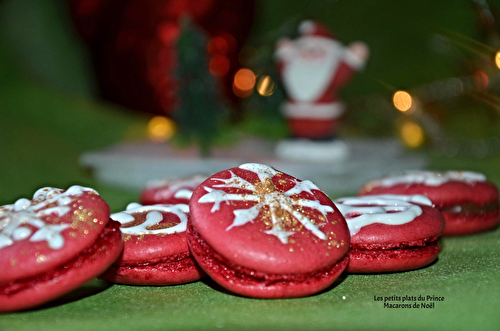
(391, 232)
(155, 249)
(261, 233)
(52, 244)
(468, 201)
(254, 230)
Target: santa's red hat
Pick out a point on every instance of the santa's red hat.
(310, 28)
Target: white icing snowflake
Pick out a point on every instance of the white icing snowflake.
(153, 217)
(265, 194)
(15, 217)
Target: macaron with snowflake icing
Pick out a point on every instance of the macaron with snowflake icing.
(391, 233)
(261, 233)
(155, 249)
(52, 244)
(468, 201)
(170, 190)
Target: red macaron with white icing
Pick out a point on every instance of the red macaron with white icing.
(261, 233)
(468, 201)
(155, 249)
(52, 244)
(391, 233)
(170, 190)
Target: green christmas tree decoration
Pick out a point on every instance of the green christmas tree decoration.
(201, 110)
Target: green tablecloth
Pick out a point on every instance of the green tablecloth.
(43, 134)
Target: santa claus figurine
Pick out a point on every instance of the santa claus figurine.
(313, 68)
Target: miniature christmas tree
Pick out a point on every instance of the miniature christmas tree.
(200, 110)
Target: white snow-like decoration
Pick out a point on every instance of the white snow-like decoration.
(153, 217)
(15, 218)
(431, 178)
(282, 206)
(387, 209)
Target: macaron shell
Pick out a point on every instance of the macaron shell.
(430, 224)
(458, 224)
(378, 261)
(450, 195)
(443, 195)
(150, 247)
(161, 196)
(250, 247)
(69, 276)
(170, 273)
(256, 284)
(87, 216)
(170, 191)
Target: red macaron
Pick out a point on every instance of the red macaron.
(261, 233)
(391, 233)
(155, 250)
(52, 244)
(468, 201)
(170, 191)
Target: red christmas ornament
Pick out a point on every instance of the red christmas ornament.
(132, 43)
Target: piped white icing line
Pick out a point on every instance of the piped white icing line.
(431, 178)
(183, 194)
(15, 218)
(153, 217)
(388, 209)
(277, 201)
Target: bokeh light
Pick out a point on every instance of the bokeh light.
(402, 100)
(217, 45)
(481, 80)
(497, 59)
(161, 129)
(219, 65)
(412, 134)
(265, 86)
(244, 82)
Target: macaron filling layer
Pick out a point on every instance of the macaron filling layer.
(175, 263)
(415, 244)
(429, 250)
(470, 208)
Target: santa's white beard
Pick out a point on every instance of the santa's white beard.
(306, 80)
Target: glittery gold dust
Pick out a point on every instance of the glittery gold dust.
(41, 258)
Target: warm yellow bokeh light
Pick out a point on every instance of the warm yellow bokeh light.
(244, 82)
(244, 79)
(497, 59)
(161, 128)
(412, 134)
(402, 100)
(265, 86)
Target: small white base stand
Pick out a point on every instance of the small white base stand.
(304, 150)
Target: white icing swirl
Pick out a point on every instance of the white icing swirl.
(15, 217)
(388, 209)
(153, 217)
(269, 196)
(431, 178)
